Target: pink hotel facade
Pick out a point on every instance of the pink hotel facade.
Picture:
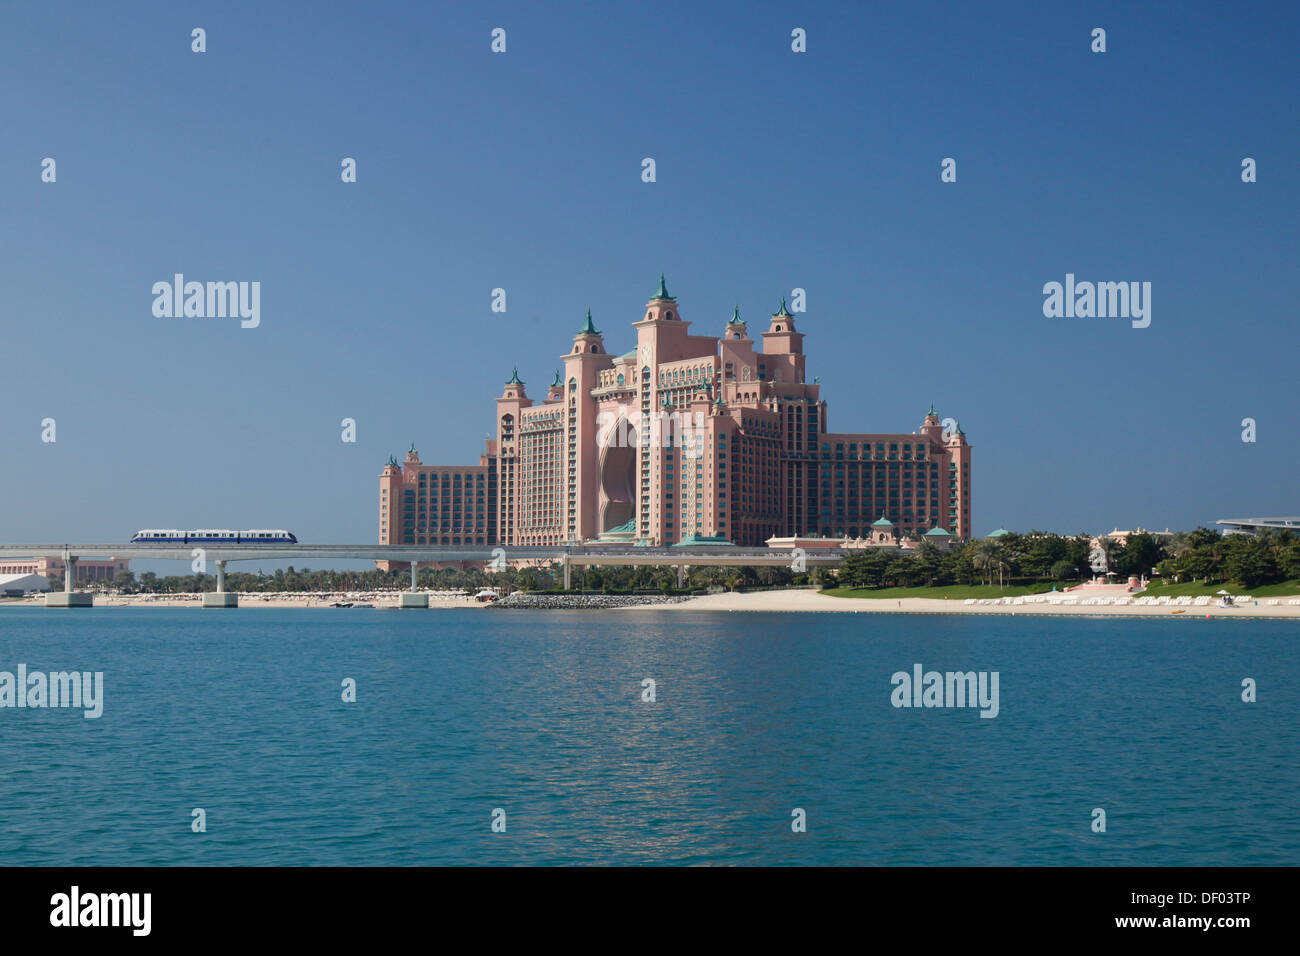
(758, 460)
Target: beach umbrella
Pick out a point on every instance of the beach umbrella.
(1222, 592)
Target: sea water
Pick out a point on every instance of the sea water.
(530, 737)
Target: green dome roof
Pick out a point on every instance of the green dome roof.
(662, 292)
(698, 539)
(882, 523)
(999, 533)
(937, 533)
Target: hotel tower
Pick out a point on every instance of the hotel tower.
(683, 438)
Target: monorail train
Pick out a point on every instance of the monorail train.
(255, 536)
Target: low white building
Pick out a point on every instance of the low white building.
(16, 585)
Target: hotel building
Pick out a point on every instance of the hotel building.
(680, 439)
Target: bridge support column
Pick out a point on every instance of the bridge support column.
(220, 598)
(681, 574)
(410, 598)
(568, 573)
(68, 597)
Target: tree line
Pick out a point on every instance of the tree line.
(662, 579)
(1037, 557)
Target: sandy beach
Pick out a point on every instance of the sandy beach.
(793, 600)
(807, 600)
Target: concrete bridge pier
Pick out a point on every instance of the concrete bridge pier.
(68, 597)
(410, 598)
(681, 574)
(568, 572)
(220, 598)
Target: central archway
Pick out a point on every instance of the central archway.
(618, 480)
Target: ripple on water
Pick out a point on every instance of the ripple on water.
(540, 714)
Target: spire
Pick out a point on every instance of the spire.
(735, 317)
(556, 383)
(412, 450)
(514, 378)
(393, 461)
(783, 312)
(663, 291)
(932, 411)
(589, 328)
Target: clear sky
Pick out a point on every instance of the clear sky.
(522, 170)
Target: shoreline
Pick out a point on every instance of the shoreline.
(786, 601)
(794, 601)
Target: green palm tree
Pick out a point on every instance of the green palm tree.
(1110, 549)
(986, 555)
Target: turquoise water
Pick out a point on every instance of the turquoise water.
(540, 714)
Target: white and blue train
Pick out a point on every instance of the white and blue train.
(221, 536)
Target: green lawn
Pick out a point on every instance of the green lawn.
(1196, 589)
(953, 592)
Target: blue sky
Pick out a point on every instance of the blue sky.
(775, 170)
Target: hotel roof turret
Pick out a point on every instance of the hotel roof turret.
(588, 341)
(736, 328)
(662, 294)
(514, 387)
